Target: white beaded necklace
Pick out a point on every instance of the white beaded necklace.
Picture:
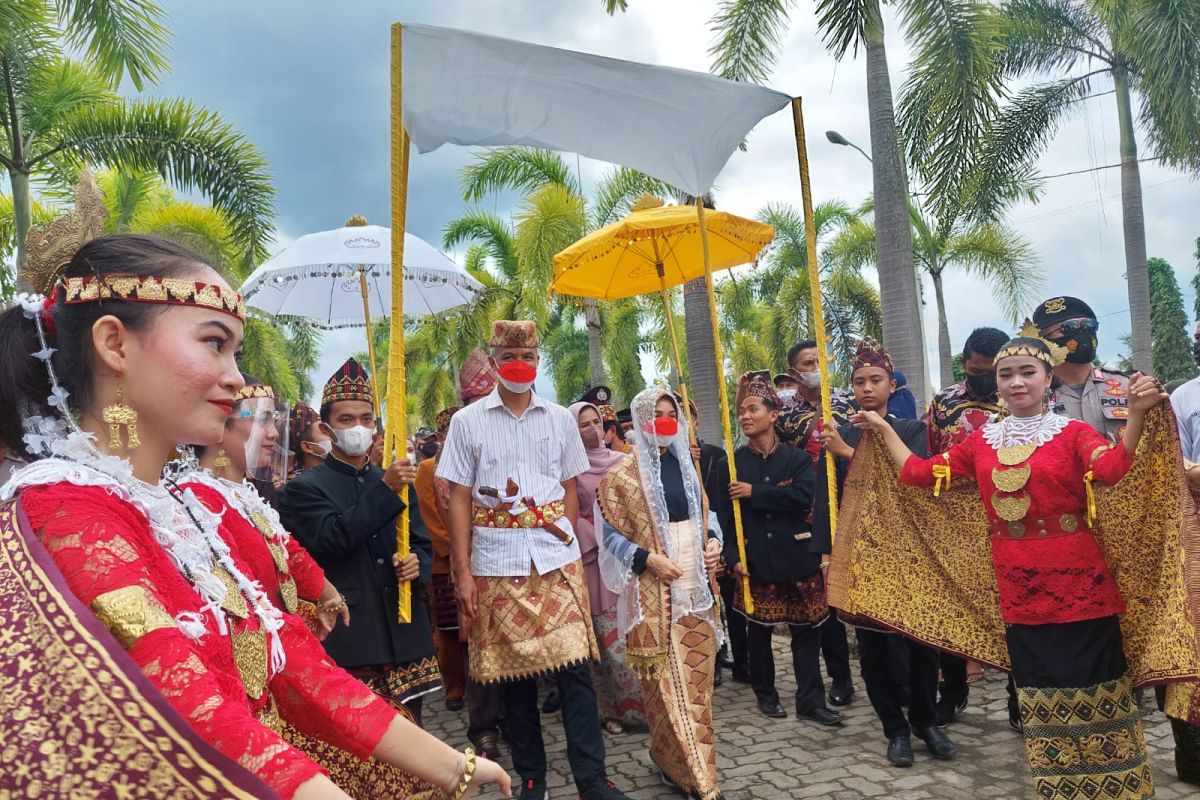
(1014, 431)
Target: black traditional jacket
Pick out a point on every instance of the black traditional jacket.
(913, 432)
(346, 519)
(775, 517)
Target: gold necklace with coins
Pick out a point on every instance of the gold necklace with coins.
(1014, 479)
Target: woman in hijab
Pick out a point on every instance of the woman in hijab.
(659, 555)
(617, 687)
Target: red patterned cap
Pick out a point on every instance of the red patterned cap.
(870, 353)
(350, 382)
(513, 333)
(476, 378)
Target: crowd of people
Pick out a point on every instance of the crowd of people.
(241, 557)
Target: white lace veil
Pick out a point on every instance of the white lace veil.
(616, 556)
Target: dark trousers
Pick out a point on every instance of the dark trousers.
(581, 722)
(735, 622)
(484, 713)
(806, 662)
(836, 649)
(882, 690)
(954, 688)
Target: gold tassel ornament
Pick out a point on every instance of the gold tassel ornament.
(117, 415)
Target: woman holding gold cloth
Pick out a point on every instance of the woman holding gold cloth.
(658, 555)
(1059, 599)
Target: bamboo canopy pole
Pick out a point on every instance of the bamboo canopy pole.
(396, 429)
(818, 311)
(366, 301)
(719, 354)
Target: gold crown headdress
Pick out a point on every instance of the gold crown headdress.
(1029, 342)
(255, 391)
(50, 248)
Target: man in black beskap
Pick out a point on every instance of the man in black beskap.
(344, 513)
(775, 490)
(873, 383)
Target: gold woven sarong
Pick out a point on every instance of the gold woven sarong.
(923, 566)
(528, 626)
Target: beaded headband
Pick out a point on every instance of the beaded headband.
(258, 390)
(1030, 343)
(148, 289)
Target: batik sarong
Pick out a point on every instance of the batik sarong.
(533, 625)
(618, 690)
(678, 697)
(77, 716)
(402, 683)
(798, 602)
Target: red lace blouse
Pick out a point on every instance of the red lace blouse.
(1049, 566)
(103, 544)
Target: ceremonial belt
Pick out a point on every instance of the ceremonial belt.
(1039, 527)
(533, 516)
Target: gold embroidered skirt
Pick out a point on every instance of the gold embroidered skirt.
(678, 699)
(525, 626)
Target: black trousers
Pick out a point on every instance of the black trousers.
(483, 709)
(836, 649)
(806, 655)
(736, 623)
(581, 722)
(873, 647)
(954, 689)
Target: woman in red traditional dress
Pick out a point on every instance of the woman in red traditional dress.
(1058, 598)
(134, 351)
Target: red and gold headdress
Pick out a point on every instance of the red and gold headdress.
(870, 353)
(253, 392)
(300, 419)
(350, 382)
(513, 333)
(753, 385)
(149, 289)
(442, 420)
(1029, 342)
(476, 378)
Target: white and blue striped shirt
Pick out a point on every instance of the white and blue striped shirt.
(486, 445)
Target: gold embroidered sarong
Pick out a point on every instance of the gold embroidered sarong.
(922, 565)
(528, 626)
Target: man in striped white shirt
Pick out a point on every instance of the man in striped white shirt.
(511, 460)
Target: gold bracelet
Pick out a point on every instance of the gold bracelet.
(468, 775)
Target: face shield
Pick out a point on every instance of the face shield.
(258, 425)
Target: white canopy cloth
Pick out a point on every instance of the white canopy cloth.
(676, 125)
(316, 277)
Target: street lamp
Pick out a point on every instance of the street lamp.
(836, 138)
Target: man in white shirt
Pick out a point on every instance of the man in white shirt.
(1186, 402)
(511, 460)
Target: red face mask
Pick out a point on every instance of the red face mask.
(517, 371)
(663, 426)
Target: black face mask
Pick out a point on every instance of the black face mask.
(1081, 347)
(982, 385)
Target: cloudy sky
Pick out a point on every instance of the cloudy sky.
(307, 80)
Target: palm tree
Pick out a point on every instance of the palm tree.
(749, 34)
(988, 251)
(1150, 54)
(61, 113)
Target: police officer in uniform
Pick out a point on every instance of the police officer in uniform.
(1081, 391)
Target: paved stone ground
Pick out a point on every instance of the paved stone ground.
(765, 758)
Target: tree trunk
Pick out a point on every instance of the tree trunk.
(702, 367)
(945, 353)
(1134, 226)
(22, 216)
(902, 333)
(591, 316)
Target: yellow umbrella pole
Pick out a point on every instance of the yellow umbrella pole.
(818, 311)
(719, 354)
(366, 300)
(397, 396)
(675, 351)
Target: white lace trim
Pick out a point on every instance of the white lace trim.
(1024, 430)
(241, 496)
(190, 548)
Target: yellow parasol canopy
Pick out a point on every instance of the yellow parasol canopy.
(619, 259)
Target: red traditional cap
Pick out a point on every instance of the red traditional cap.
(756, 386)
(513, 333)
(442, 420)
(300, 419)
(476, 378)
(350, 382)
(870, 353)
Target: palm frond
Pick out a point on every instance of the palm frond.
(202, 229)
(1050, 36)
(128, 193)
(264, 355)
(614, 6)
(121, 38)
(490, 231)
(621, 338)
(189, 146)
(514, 169)
(749, 33)
(843, 23)
(59, 89)
(548, 220)
(1002, 258)
(618, 189)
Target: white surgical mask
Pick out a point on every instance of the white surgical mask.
(786, 394)
(325, 446)
(354, 441)
(811, 380)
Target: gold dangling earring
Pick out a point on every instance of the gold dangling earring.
(119, 414)
(221, 463)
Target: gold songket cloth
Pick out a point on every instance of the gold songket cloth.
(922, 565)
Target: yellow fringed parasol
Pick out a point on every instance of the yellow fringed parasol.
(652, 250)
